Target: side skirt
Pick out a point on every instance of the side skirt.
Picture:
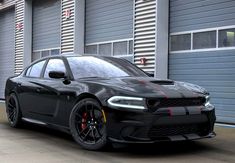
(52, 126)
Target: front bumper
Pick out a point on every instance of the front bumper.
(146, 127)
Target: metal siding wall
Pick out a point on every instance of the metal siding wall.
(7, 57)
(46, 24)
(19, 36)
(108, 20)
(213, 70)
(7, 4)
(145, 34)
(67, 27)
(199, 14)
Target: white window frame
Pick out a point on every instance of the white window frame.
(41, 50)
(217, 29)
(112, 49)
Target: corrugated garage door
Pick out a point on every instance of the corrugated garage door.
(209, 59)
(46, 24)
(108, 20)
(7, 54)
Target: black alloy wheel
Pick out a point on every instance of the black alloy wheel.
(87, 124)
(13, 111)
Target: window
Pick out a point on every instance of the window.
(111, 48)
(211, 39)
(227, 38)
(204, 40)
(91, 49)
(35, 70)
(181, 42)
(131, 47)
(54, 65)
(44, 53)
(120, 48)
(36, 56)
(105, 49)
(55, 52)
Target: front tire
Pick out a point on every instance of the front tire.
(13, 111)
(87, 124)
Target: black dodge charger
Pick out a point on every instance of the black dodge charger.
(100, 100)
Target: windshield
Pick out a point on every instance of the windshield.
(92, 67)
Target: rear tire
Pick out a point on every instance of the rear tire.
(13, 111)
(87, 124)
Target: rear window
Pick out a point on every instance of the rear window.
(35, 70)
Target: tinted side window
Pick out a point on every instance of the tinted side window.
(35, 70)
(54, 65)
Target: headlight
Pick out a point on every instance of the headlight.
(207, 103)
(127, 102)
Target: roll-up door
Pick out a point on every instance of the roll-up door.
(7, 52)
(203, 50)
(108, 20)
(46, 24)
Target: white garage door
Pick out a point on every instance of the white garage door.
(6, 47)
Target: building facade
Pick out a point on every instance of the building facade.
(192, 41)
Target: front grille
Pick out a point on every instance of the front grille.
(175, 102)
(163, 131)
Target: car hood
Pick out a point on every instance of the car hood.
(151, 87)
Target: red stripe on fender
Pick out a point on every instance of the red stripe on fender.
(170, 111)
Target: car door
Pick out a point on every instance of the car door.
(28, 88)
(51, 94)
(42, 96)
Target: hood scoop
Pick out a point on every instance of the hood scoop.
(163, 82)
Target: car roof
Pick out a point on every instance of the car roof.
(70, 55)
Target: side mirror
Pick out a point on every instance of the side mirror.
(57, 75)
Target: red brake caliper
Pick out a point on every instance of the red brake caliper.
(84, 121)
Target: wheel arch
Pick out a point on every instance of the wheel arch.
(88, 95)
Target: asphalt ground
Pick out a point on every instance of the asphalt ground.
(36, 144)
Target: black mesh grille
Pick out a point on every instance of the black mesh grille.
(163, 131)
(175, 102)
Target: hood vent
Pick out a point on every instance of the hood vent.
(163, 82)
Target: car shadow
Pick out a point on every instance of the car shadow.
(162, 149)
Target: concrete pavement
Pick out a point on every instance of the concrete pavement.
(34, 144)
(2, 112)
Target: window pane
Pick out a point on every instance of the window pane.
(227, 38)
(181, 42)
(45, 53)
(204, 40)
(131, 47)
(37, 69)
(55, 52)
(36, 56)
(105, 49)
(54, 65)
(91, 49)
(120, 48)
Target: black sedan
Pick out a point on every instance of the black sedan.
(100, 100)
